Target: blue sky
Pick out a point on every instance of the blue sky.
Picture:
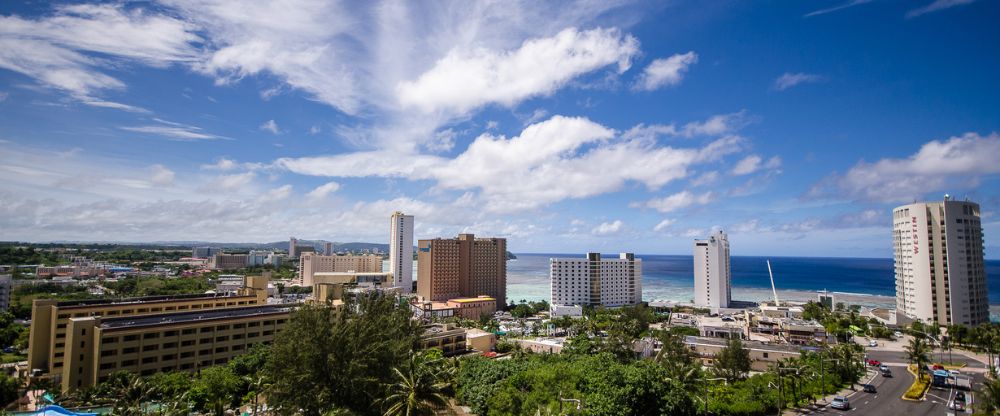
(607, 126)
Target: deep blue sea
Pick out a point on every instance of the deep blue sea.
(797, 278)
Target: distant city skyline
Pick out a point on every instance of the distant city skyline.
(562, 127)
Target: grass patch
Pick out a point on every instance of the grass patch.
(12, 358)
(919, 386)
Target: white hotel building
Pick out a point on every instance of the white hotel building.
(595, 281)
(939, 267)
(401, 251)
(712, 275)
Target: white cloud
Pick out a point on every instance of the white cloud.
(956, 163)
(560, 158)
(111, 104)
(444, 141)
(323, 190)
(664, 225)
(235, 181)
(270, 126)
(315, 130)
(161, 175)
(469, 78)
(279, 193)
(665, 72)
(850, 3)
(747, 165)
(175, 131)
(55, 49)
(222, 164)
(608, 228)
(676, 201)
(936, 5)
(706, 178)
(713, 126)
(789, 80)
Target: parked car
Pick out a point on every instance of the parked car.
(954, 373)
(958, 403)
(897, 334)
(936, 367)
(886, 372)
(873, 343)
(874, 363)
(840, 402)
(870, 388)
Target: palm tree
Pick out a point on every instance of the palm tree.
(258, 385)
(989, 398)
(418, 389)
(917, 354)
(131, 395)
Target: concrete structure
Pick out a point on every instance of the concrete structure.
(574, 311)
(712, 274)
(462, 267)
(263, 258)
(222, 261)
(178, 341)
(293, 248)
(595, 281)
(431, 311)
(479, 340)
(762, 356)
(401, 250)
(54, 350)
(939, 267)
(204, 252)
(312, 263)
(473, 308)
(372, 279)
(6, 284)
(827, 299)
(327, 248)
(449, 338)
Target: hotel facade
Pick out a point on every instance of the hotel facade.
(463, 267)
(596, 281)
(712, 273)
(312, 263)
(939, 262)
(401, 250)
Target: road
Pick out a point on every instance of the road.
(888, 398)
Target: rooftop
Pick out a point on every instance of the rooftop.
(140, 300)
(754, 345)
(171, 318)
(476, 299)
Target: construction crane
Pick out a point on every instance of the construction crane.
(773, 290)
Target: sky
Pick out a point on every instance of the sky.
(794, 126)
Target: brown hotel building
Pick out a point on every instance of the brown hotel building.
(463, 267)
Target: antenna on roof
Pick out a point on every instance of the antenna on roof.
(773, 290)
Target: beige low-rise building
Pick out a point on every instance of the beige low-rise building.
(51, 343)
(449, 338)
(473, 308)
(761, 355)
(312, 263)
(180, 341)
(479, 340)
(222, 261)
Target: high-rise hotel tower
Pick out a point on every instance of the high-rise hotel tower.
(597, 281)
(712, 276)
(401, 250)
(938, 253)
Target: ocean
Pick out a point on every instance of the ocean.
(865, 281)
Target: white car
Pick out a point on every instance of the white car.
(953, 373)
(840, 402)
(897, 334)
(873, 343)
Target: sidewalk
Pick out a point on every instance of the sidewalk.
(824, 401)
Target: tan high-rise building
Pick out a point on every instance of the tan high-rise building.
(312, 263)
(462, 267)
(939, 266)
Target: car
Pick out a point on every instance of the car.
(954, 373)
(870, 388)
(960, 396)
(937, 367)
(957, 405)
(897, 334)
(841, 403)
(873, 343)
(874, 363)
(887, 373)
(883, 367)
